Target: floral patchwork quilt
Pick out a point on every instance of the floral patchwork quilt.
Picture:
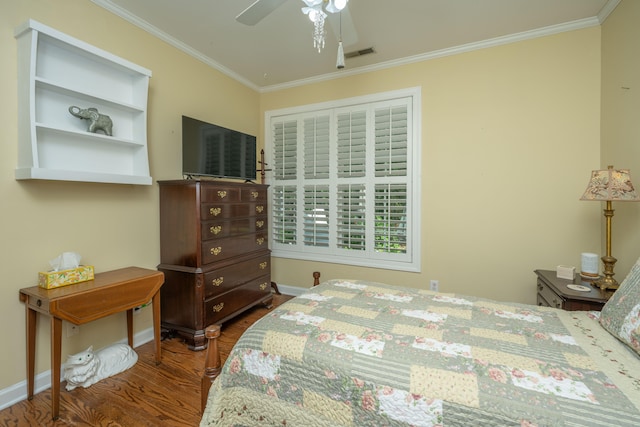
(354, 353)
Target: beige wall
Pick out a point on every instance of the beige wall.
(509, 137)
(621, 123)
(112, 226)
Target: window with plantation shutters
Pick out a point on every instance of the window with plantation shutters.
(345, 181)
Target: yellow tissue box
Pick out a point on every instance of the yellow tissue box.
(56, 279)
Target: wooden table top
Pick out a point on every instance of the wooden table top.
(108, 293)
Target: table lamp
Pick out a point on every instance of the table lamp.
(607, 186)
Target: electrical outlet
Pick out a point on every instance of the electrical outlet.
(72, 329)
(433, 285)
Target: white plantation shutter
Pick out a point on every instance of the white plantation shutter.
(352, 144)
(345, 182)
(316, 215)
(351, 217)
(391, 218)
(316, 147)
(284, 214)
(391, 141)
(285, 138)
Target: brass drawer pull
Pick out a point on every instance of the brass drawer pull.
(259, 209)
(222, 194)
(218, 307)
(215, 229)
(259, 224)
(254, 194)
(260, 240)
(263, 265)
(215, 211)
(263, 286)
(217, 281)
(216, 251)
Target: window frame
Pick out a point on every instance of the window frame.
(406, 262)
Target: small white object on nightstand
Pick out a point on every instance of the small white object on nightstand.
(565, 272)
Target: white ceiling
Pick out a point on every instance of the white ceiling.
(278, 51)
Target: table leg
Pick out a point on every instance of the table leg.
(156, 325)
(130, 327)
(56, 362)
(31, 350)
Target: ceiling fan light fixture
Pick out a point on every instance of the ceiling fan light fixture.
(312, 13)
(340, 4)
(335, 6)
(317, 15)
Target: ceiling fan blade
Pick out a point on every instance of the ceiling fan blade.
(257, 11)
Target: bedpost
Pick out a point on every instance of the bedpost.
(212, 362)
(316, 278)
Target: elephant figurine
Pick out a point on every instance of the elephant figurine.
(97, 121)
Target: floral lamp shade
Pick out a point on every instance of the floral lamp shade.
(610, 185)
(607, 186)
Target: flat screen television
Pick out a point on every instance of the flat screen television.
(214, 151)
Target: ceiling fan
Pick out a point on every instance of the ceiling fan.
(259, 10)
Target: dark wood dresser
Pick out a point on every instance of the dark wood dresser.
(214, 254)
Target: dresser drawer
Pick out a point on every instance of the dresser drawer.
(221, 280)
(541, 301)
(233, 194)
(210, 211)
(226, 228)
(218, 308)
(216, 194)
(254, 194)
(547, 294)
(216, 250)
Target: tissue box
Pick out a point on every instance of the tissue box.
(56, 279)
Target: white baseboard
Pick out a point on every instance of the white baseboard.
(291, 290)
(18, 392)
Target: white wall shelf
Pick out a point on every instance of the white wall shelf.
(55, 72)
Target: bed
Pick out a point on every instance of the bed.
(355, 353)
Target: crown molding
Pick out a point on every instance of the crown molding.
(607, 9)
(141, 23)
(484, 44)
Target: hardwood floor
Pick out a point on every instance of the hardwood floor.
(145, 395)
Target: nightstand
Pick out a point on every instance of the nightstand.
(553, 292)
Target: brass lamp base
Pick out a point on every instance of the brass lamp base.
(607, 281)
